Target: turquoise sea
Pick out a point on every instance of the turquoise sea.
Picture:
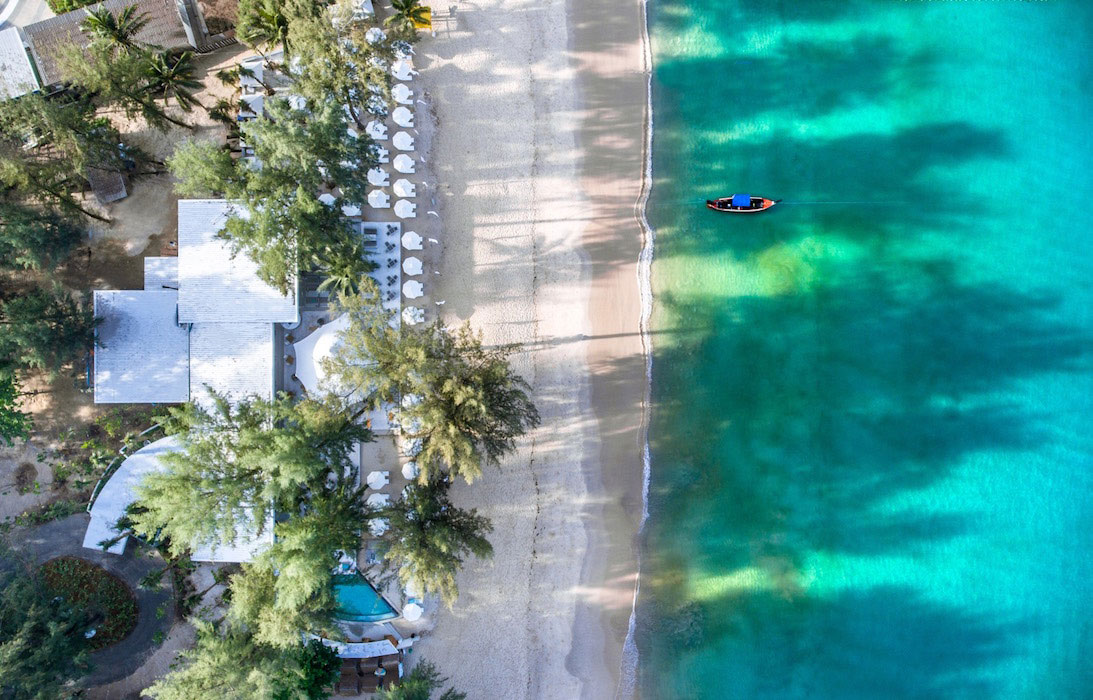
(872, 454)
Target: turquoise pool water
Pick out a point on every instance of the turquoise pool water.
(871, 443)
(358, 601)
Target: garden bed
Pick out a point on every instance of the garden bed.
(105, 596)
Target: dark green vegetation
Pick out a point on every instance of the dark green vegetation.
(420, 684)
(104, 598)
(42, 644)
(227, 662)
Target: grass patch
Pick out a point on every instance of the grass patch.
(112, 606)
(62, 6)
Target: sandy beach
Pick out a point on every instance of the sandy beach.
(537, 160)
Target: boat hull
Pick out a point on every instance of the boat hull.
(758, 204)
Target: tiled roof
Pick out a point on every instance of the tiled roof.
(16, 74)
(50, 38)
(215, 287)
(233, 359)
(143, 354)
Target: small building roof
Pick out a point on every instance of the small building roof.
(233, 359)
(214, 286)
(119, 491)
(143, 353)
(50, 38)
(160, 273)
(17, 75)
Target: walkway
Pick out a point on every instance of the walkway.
(63, 538)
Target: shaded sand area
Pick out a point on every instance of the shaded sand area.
(538, 161)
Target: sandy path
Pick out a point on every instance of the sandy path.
(526, 239)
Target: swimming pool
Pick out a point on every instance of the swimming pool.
(359, 601)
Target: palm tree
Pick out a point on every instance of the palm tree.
(262, 24)
(170, 75)
(408, 14)
(118, 30)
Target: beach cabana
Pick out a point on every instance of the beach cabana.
(404, 188)
(405, 209)
(403, 117)
(382, 155)
(404, 163)
(378, 479)
(411, 240)
(413, 289)
(403, 141)
(351, 210)
(413, 315)
(378, 500)
(374, 35)
(410, 470)
(402, 94)
(412, 266)
(327, 199)
(403, 70)
(378, 177)
(377, 130)
(378, 199)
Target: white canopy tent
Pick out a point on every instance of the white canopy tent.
(403, 117)
(405, 209)
(312, 350)
(378, 199)
(411, 240)
(378, 177)
(412, 266)
(404, 163)
(403, 141)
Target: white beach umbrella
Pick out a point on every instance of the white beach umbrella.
(409, 318)
(378, 500)
(378, 527)
(404, 163)
(327, 199)
(312, 350)
(404, 188)
(403, 117)
(403, 70)
(412, 266)
(412, 612)
(376, 129)
(374, 35)
(352, 132)
(411, 240)
(298, 102)
(378, 199)
(410, 470)
(378, 177)
(403, 141)
(413, 289)
(402, 94)
(411, 400)
(412, 448)
(377, 480)
(405, 209)
(382, 155)
(351, 210)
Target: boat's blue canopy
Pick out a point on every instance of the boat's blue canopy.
(741, 200)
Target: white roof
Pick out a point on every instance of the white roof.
(16, 74)
(233, 359)
(118, 492)
(143, 351)
(214, 286)
(160, 273)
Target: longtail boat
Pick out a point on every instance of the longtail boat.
(741, 204)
